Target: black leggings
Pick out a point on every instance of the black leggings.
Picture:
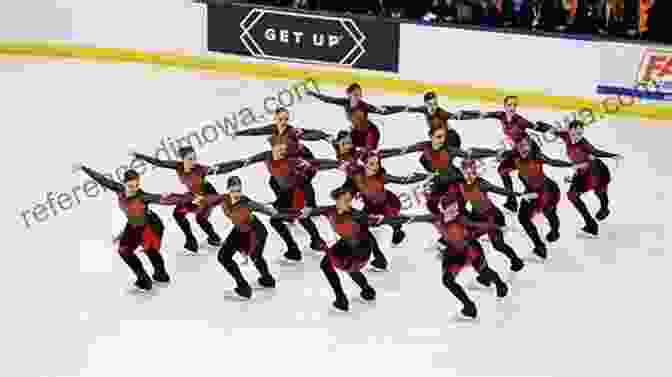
(232, 245)
(332, 276)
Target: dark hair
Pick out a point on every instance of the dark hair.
(576, 124)
(337, 192)
(130, 175)
(429, 96)
(281, 110)
(184, 151)
(352, 88)
(233, 181)
(509, 98)
(435, 127)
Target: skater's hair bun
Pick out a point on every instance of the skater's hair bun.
(429, 96)
(131, 175)
(576, 124)
(281, 110)
(185, 151)
(336, 193)
(343, 137)
(353, 87)
(510, 98)
(233, 183)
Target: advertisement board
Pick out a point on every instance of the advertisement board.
(303, 38)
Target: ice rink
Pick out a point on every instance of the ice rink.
(596, 307)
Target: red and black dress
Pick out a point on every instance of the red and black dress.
(364, 133)
(531, 174)
(143, 228)
(248, 237)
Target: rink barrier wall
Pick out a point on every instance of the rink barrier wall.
(372, 82)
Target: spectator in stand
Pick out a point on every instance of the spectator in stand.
(659, 29)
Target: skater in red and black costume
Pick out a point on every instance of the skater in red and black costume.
(480, 208)
(354, 247)
(461, 248)
(434, 115)
(248, 235)
(437, 158)
(294, 135)
(291, 181)
(592, 174)
(515, 129)
(144, 228)
(365, 134)
(350, 158)
(530, 166)
(193, 176)
(369, 185)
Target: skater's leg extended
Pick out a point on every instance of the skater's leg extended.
(180, 216)
(335, 283)
(225, 258)
(293, 251)
(203, 220)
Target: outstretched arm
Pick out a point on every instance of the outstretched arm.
(257, 131)
(392, 152)
(597, 152)
(553, 162)
(229, 166)
(103, 180)
(308, 134)
(341, 101)
(168, 199)
(476, 153)
(409, 179)
(489, 187)
(416, 109)
(325, 164)
(168, 164)
(386, 110)
(405, 219)
(260, 207)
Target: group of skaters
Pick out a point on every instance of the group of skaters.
(456, 197)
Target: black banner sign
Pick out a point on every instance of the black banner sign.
(303, 37)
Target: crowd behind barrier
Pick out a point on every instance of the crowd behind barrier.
(630, 19)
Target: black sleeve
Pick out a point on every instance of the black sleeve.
(470, 115)
(103, 180)
(168, 164)
(476, 153)
(553, 162)
(490, 115)
(328, 99)
(543, 127)
(417, 109)
(489, 187)
(256, 206)
(325, 164)
(313, 135)
(410, 179)
(257, 131)
(598, 153)
(393, 152)
(386, 110)
(405, 219)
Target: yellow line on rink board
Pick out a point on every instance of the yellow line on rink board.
(230, 65)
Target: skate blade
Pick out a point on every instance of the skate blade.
(338, 312)
(135, 291)
(288, 262)
(231, 295)
(189, 253)
(587, 236)
(458, 317)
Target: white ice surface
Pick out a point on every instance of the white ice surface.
(596, 307)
